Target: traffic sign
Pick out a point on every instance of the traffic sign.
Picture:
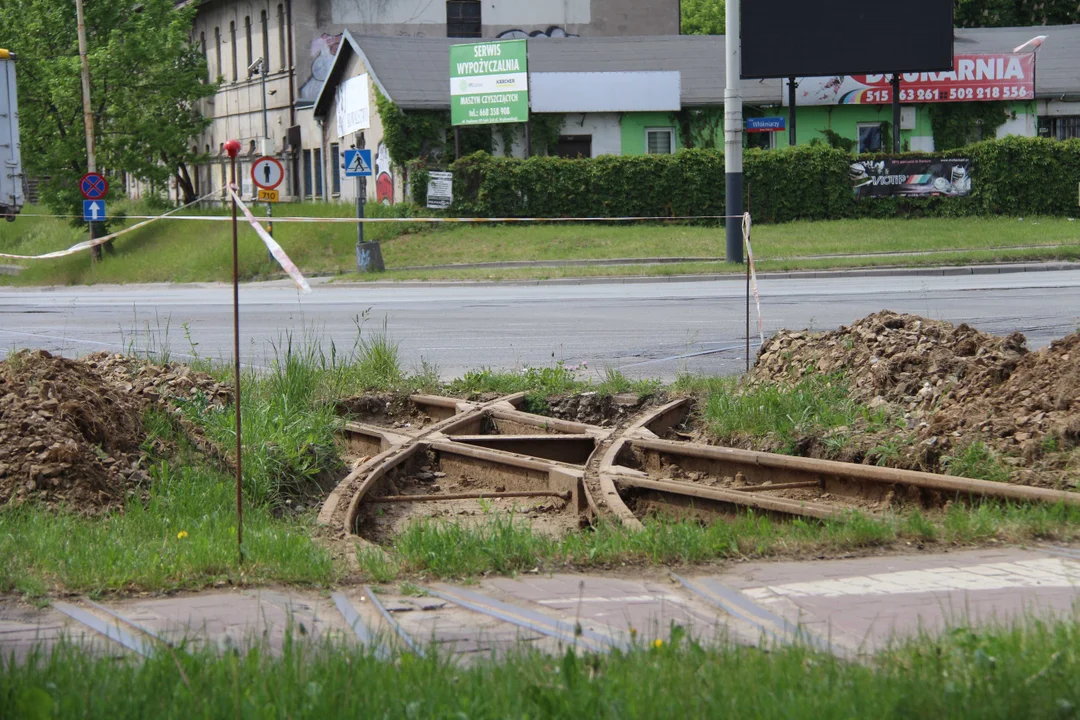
(358, 163)
(267, 172)
(267, 196)
(93, 186)
(765, 124)
(93, 210)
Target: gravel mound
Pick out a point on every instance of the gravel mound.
(71, 431)
(954, 385)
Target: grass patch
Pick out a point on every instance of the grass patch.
(787, 414)
(1023, 670)
(190, 251)
(184, 537)
(508, 545)
(978, 461)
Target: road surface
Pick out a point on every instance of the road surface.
(655, 329)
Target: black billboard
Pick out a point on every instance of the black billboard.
(810, 38)
(912, 177)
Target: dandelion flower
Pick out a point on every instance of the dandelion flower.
(181, 535)
(658, 643)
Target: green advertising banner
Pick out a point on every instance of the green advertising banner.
(489, 83)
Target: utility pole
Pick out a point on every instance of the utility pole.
(88, 114)
(260, 67)
(733, 133)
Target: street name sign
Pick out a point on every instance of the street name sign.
(358, 163)
(489, 83)
(766, 124)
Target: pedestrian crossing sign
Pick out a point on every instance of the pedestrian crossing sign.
(358, 163)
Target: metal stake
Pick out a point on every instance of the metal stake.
(236, 376)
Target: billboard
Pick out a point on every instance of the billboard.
(974, 78)
(489, 83)
(912, 177)
(796, 38)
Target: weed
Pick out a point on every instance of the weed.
(976, 460)
(376, 564)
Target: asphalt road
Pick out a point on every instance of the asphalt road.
(644, 329)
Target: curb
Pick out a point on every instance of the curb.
(944, 271)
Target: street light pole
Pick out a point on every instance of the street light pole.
(88, 113)
(260, 67)
(733, 133)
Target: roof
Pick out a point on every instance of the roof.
(414, 71)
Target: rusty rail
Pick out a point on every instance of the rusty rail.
(470, 496)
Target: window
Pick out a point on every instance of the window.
(870, 137)
(658, 141)
(247, 39)
(335, 163)
(282, 44)
(463, 18)
(318, 173)
(232, 39)
(202, 49)
(307, 173)
(1065, 127)
(217, 55)
(266, 42)
(574, 146)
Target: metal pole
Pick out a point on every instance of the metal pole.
(747, 317)
(457, 142)
(236, 373)
(266, 121)
(88, 113)
(361, 199)
(896, 113)
(733, 135)
(791, 111)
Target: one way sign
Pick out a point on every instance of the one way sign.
(358, 163)
(93, 210)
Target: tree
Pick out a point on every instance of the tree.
(703, 17)
(1008, 13)
(147, 79)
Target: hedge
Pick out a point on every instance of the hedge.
(1015, 176)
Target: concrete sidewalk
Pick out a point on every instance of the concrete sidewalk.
(849, 607)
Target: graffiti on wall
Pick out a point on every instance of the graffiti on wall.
(552, 32)
(323, 50)
(384, 176)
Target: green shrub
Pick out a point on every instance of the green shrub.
(1014, 176)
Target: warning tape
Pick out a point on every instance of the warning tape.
(275, 249)
(753, 275)
(87, 244)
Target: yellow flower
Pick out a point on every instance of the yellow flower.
(181, 535)
(658, 643)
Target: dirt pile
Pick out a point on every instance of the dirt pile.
(593, 408)
(952, 384)
(71, 430)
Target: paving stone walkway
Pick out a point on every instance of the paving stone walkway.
(849, 607)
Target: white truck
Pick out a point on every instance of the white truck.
(11, 172)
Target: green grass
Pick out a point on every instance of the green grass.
(44, 552)
(183, 251)
(508, 545)
(1029, 670)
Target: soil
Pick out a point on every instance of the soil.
(592, 408)
(950, 385)
(71, 431)
(382, 522)
(385, 410)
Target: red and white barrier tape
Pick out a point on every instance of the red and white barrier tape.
(283, 260)
(87, 244)
(753, 275)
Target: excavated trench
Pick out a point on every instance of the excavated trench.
(441, 459)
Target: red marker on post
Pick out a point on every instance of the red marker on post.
(232, 147)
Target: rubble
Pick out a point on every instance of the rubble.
(71, 431)
(953, 385)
